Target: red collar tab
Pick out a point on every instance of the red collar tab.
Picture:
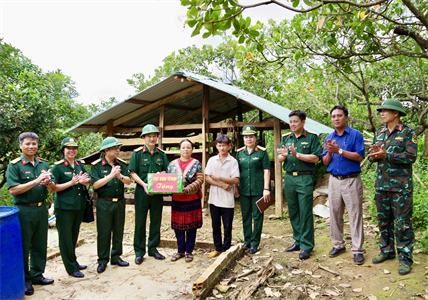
(383, 129)
(256, 149)
(400, 127)
(144, 149)
(77, 162)
(104, 162)
(24, 162)
(304, 132)
(66, 163)
(39, 159)
(117, 161)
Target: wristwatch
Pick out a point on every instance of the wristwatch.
(121, 177)
(340, 151)
(298, 155)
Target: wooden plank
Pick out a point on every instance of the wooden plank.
(110, 129)
(156, 104)
(278, 168)
(165, 140)
(267, 125)
(128, 130)
(161, 125)
(178, 151)
(205, 132)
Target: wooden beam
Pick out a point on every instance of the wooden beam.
(184, 78)
(140, 102)
(173, 106)
(161, 125)
(110, 128)
(267, 125)
(165, 140)
(278, 168)
(156, 104)
(239, 141)
(205, 131)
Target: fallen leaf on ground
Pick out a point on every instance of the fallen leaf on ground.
(331, 293)
(386, 271)
(386, 288)
(308, 272)
(222, 288)
(287, 285)
(215, 292)
(401, 285)
(242, 279)
(300, 289)
(269, 292)
(297, 272)
(313, 295)
(371, 297)
(278, 266)
(345, 285)
(184, 293)
(358, 290)
(316, 276)
(275, 250)
(233, 286)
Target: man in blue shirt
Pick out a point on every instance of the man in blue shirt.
(343, 151)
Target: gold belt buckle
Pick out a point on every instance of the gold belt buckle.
(39, 204)
(295, 173)
(114, 199)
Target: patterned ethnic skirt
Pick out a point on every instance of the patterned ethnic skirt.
(186, 215)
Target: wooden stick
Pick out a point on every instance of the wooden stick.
(328, 270)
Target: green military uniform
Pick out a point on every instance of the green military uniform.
(142, 163)
(110, 210)
(69, 209)
(32, 214)
(394, 191)
(299, 184)
(251, 185)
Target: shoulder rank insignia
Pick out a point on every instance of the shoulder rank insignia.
(15, 160)
(161, 149)
(59, 162)
(313, 132)
(261, 148)
(240, 149)
(400, 127)
(96, 161)
(285, 134)
(41, 159)
(138, 149)
(414, 139)
(82, 161)
(119, 159)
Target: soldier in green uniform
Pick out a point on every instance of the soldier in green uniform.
(395, 150)
(27, 177)
(254, 168)
(69, 175)
(144, 160)
(109, 174)
(300, 150)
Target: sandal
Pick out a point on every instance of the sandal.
(177, 256)
(189, 257)
(214, 254)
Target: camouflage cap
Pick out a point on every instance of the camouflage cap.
(109, 142)
(149, 128)
(392, 104)
(249, 130)
(69, 142)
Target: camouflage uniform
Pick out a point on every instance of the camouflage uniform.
(394, 191)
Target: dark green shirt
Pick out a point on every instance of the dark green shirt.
(307, 143)
(20, 171)
(114, 188)
(72, 198)
(394, 172)
(143, 163)
(251, 167)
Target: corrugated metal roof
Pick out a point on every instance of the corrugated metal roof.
(193, 101)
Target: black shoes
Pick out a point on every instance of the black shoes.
(246, 247)
(120, 263)
(304, 254)
(44, 281)
(335, 252)
(77, 274)
(294, 247)
(29, 290)
(157, 255)
(253, 250)
(81, 267)
(358, 259)
(139, 260)
(101, 268)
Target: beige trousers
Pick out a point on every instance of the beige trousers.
(346, 192)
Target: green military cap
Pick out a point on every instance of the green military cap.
(249, 130)
(393, 104)
(69, 142)
(109, 142)
(149, 128)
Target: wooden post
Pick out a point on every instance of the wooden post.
(240, 119)
(110, 128)
(205, 136)
(161, 125)
(278, 168)
(261, 130)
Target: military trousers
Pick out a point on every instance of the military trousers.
(143, 204)
(299, 194)
(68, 225)
(251, 212)
(110, 225)
(398, 207)
(34, 231)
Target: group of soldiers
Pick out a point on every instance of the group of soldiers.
(394, 148)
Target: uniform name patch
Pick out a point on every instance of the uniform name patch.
(145, 159)
(242, 158)
(68, 173)
(305, 143)
(399, 138)
(104, 171)
(255, 158)
(26, 172)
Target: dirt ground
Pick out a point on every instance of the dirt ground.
(294, 278)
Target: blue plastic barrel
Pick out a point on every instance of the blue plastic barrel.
(12, 283)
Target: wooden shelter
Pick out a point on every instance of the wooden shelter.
(187, 105)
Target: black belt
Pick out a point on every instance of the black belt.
(352, 175)
(111, 199)
(301, 173)
(31, 204)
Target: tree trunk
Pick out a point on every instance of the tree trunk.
(425, 151)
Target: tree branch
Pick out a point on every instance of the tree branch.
(418, 14)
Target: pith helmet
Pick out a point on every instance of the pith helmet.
(249, 130)
(109, 142)
(69, 142)
(393, 104)
(149, 128)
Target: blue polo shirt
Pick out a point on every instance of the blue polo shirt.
(351, 140)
